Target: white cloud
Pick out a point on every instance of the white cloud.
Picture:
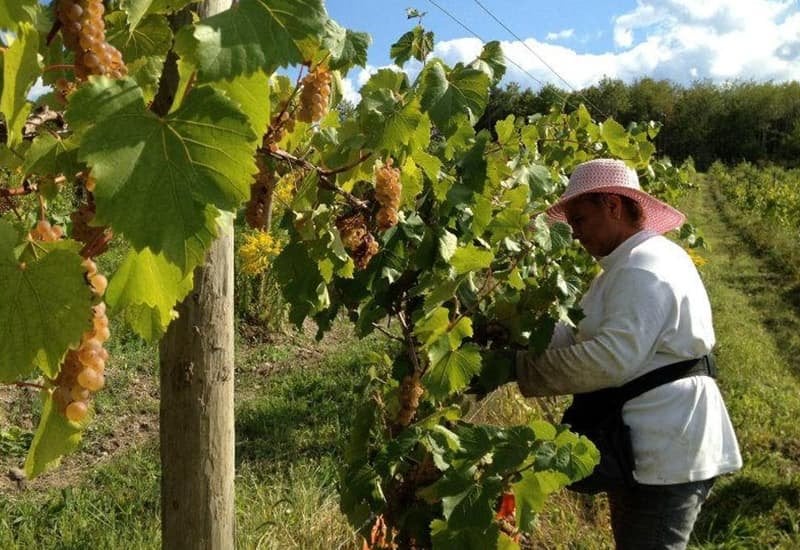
(560, 35)
(681, 40)
(38, 89)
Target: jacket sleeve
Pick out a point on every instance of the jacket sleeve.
(636, 308)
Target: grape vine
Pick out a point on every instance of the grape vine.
(400, 216)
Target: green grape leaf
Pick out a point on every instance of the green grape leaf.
(617, 139)
(448, 244)
(474, 508)
(14, 13)
(471, 258)
(21, 67)
(179, 169)
(505, 129)
(146, 71)
(152, 37)
(45, 306)
(445, 94)
(255, 34)
(50, 155)
(491, 61)
(55, 437)
(389, 122)
(147, 287)
(531, 492)
(347, 48)
(301, 281)
(138, 9)
(432, 326)
(453, 371)
(251, 94)
(445, 538)
(416, 43)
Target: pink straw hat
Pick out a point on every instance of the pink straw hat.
(614, 176)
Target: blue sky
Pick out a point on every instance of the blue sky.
(681, 40)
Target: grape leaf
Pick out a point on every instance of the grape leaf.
(300, 279)
(491, 61)
(21, 67)
(45, 306)
(55, 436)
(389, 122)
(416, 43)
(471, 258)
(353, 51)
(147, 287)
(16, 12)
(152, 37)
(446, 94)
(251, 94)
(178, 170)
(50, 155)
(255, 34)
(138, 9)
(532, 490)
(453, 371)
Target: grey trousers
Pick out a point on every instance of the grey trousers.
(656, 517)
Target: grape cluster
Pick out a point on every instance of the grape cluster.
(315, 96)
(45, 232)
(387, 193)
(357, 239)
(83, 370)
(84, 33)
(410, 392)
(257, 209)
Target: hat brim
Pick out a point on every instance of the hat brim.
(658, 216)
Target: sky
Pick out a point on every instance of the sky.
(583, 41)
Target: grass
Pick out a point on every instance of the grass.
(758, 329)
(294, 404)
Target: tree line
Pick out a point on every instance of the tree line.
(733, 122)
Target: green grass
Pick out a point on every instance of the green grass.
(758, 329)
(295, 399)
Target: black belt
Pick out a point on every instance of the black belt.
(612, 398)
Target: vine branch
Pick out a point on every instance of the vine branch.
(323, 173)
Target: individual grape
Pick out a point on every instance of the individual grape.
(79, 393)
(98, 282)
(76, 411)
(91, 379)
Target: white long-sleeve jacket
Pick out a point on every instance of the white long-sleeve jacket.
(648, 308)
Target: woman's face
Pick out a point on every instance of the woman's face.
(598, 224)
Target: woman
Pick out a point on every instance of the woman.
(648, 309)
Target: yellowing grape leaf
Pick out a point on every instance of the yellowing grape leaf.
(45, 306)
(20, 69)
(147, 287)
(55, 437)
(179, 170)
